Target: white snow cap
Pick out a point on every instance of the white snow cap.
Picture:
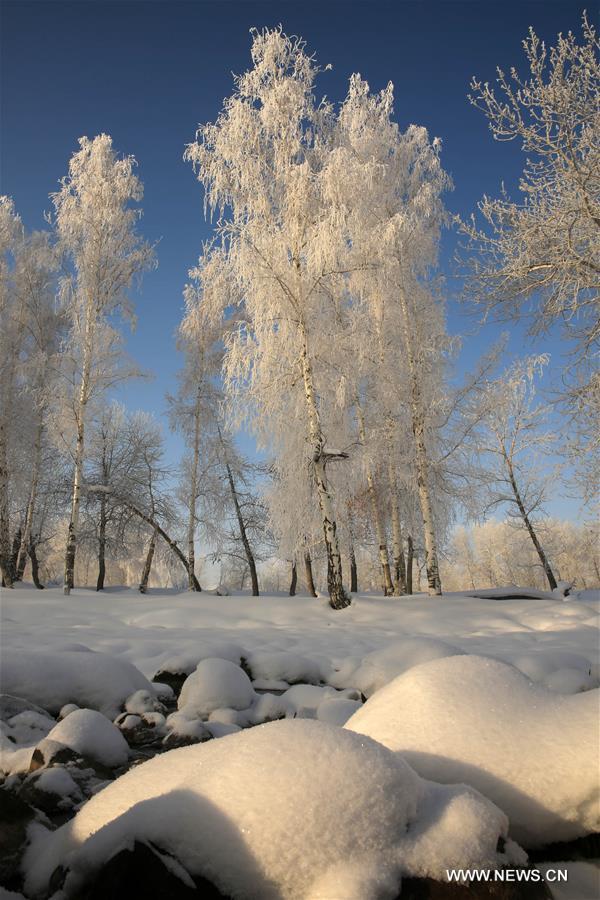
(54, 679)
(480, 721)
(216, 684)
(90, 733)
(276, 812)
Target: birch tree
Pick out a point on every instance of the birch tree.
(12, 324)
(538, 256)
(96, 230)
(510, 448)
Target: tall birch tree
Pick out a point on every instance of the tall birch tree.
(264, 166)
(96, 230)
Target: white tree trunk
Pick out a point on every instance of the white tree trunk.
(35, 476)
(418, 428)
(399, 561)
(388, 587)
(191, 536)
(83, 398)
(338, 598)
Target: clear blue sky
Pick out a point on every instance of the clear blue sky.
(147, 72)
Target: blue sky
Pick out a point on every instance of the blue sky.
(147, 72)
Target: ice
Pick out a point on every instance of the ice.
(278, 811)
(54, 679)
(482, 722)
(216, 683)
(91, 734)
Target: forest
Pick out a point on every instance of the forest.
(315, 322)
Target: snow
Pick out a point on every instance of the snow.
(57, 780)
(283, 830)
(90, 733)
(274, 669)
(59, 677)
(482, 722)
(381, 666)
(216, 683)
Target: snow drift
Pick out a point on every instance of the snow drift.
(482, 722)
(54, 679)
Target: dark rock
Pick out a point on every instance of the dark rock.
(141, 874)
(174, 740)
(51, 803)
(173, 679)
(429, 889)
(587, 847)
(143, 733)
(52, 753)
(15, 816)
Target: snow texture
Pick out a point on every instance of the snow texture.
(284, 830)
(56, 678)
(479, 721)
(216, 683)
(90, 733)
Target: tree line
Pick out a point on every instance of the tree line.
(314, 319)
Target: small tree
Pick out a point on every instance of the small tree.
(96, 231)
(507, 449)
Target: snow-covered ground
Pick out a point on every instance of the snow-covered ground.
(497, 694)
(542, 637)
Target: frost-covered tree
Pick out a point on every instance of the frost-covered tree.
(510, 447)
(401, 222)
(11, 322)
(96, 230)
(539, 255)
(265, 165)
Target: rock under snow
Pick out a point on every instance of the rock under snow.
(482, 722)
(282, 810)
(89, 733)
(54, 679)
(273, 668)
(216, 684)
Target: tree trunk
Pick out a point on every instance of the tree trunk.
(14, 553)
(148, 563)
(338, 599)
(308, 574)
(418, 428)
(353, 571)
(79, 448)
(102, 544)
(410, 555)
(160, 531)
(7, 579)
(35, 476)
(194, 490)
(529, 525)
(35, 569)
(399, 561)
(243, 534)
(294, 581)
(384, 558)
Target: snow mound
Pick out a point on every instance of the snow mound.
(54, 679)
(216, 684)
(482, 722)
(90, 733)
(275, 667)
(382, 666)
(277, 812)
